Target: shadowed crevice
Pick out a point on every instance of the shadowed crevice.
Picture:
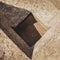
(18, 24)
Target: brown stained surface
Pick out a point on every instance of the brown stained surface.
(10, 20)
(48, 47)
(28, 31)
(18, 24)
(13, 14)
(9, 50)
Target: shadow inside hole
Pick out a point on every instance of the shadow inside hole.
(27, 31)
(25, 27)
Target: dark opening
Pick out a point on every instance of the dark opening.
(27, 31)
(21, 21)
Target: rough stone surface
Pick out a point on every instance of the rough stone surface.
(48, 47)
(47, 12)
(8, 50)
(43, 10)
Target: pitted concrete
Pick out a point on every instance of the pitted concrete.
(47, 13)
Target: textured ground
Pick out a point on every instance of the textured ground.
(8, 50)
(47, 12)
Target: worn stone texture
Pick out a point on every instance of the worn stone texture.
(8, 50)
(43, 10)
(56, 3)
(47, 13)
(48, 47)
